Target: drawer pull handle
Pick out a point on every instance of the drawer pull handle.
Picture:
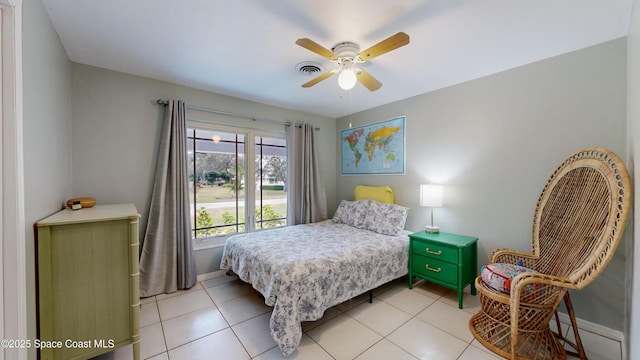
(432, 269)
(439, 252)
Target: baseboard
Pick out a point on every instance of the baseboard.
(211, 275)
(594, 328)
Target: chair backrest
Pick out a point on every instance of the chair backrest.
(581, 215)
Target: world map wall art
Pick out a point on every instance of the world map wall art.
(377, 148)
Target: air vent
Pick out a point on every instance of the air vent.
(309, 68)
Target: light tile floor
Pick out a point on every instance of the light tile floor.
(224, 318)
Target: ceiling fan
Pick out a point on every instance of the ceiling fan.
(348, 56)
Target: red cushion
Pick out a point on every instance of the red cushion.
(499, 275)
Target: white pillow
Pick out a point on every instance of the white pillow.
(352, 213)
(386, 219)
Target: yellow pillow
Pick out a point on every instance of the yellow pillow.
(382, 194)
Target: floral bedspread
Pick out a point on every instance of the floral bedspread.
(303, 270)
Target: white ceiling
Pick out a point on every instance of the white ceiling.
(246, 48)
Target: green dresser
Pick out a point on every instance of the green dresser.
(445, 259)
(88, 282)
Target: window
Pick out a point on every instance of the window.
(227, 193)
(271, 182)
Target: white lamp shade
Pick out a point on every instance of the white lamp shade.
(431, 195)
(347, 79)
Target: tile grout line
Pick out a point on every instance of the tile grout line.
(442, 299)
(227, 321)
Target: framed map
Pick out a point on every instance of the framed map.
(375, 148)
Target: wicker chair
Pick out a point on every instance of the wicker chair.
(577, 225)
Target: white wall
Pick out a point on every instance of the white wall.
(633, 123)
(47, 128)
(116, 132)
(493, 143)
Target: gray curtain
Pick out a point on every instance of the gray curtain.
(307, 197)
(166, 260)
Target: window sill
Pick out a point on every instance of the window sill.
(217, 241)
(210, 243)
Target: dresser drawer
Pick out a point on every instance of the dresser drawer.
(435, 250)
(435, 269)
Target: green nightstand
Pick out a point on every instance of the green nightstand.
(445, 259)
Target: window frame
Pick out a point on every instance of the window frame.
(255, 144)
(250, 135)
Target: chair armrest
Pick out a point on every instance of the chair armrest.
(509, 256)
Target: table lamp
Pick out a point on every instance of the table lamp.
(431, 196)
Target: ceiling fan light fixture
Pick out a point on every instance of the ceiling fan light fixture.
(347, 79)
(348, 54)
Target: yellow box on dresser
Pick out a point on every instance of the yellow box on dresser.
(88, 282)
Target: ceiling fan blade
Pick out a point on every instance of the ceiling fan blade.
(319, 78)
(367, 80)
(316, 48)
(391, 43)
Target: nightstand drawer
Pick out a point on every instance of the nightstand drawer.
(435, 250)
(435, 269)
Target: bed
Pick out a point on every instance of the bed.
(303, 270)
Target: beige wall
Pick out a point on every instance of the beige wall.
(116, 132)
(494, 141)
(47, 128)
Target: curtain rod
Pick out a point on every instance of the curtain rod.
(224, 113)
